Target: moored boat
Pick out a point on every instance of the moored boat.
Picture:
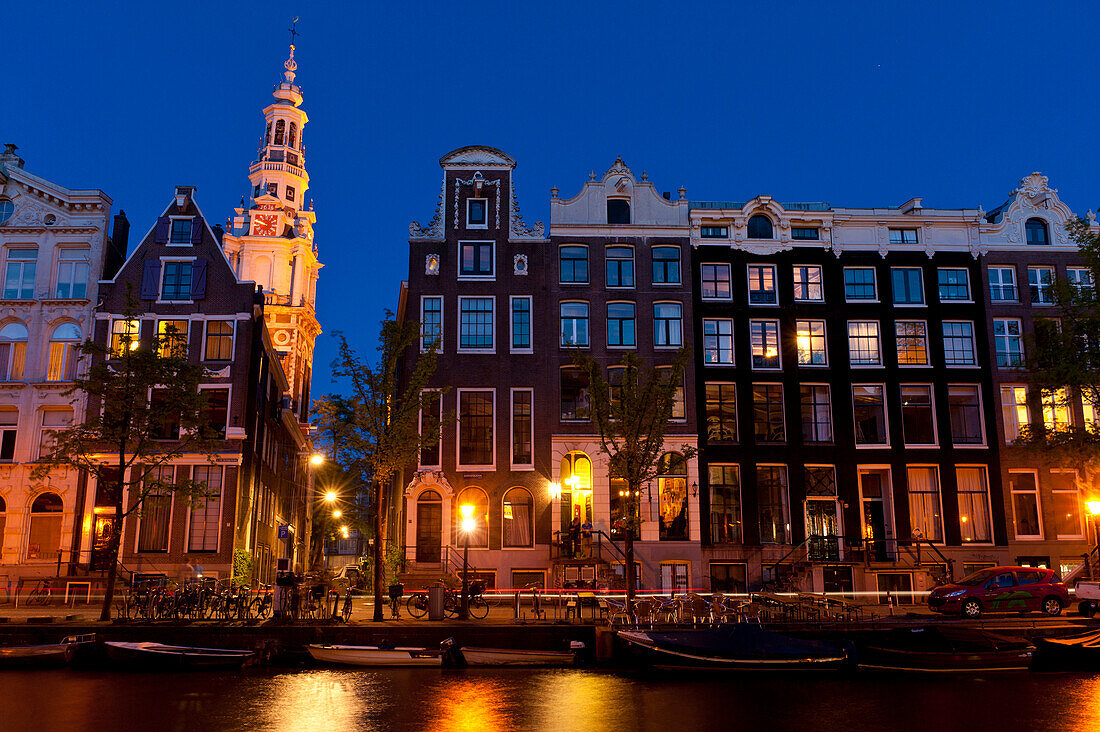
(737, 647)
(1073, 653)
(159, 655)
(458, 656)
(46, 655)
(375, 655)
(944, 650)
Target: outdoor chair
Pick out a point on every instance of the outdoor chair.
(644, 611)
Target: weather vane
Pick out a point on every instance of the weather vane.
(293, 32)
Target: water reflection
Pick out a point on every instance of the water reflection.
(466, 702)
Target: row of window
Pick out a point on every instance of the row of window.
(864, 343)
(1040, 283)
(1064, 514)
(619, 263)
(476, 429)
(1056, 405)
(61, 356)
(918, 414)
(52, 420)
(21, 266)
(174, 337)
(517, 517)
(204, 512)
(822, 514)
(759, 227)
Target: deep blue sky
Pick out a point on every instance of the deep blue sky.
(855, 105)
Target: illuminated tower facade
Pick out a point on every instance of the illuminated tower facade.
(269, 240)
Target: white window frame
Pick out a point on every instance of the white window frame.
(874, 285)
(1038, 504)
(783, 410)
(981, 420)
(442, 309)
(778, 345)
(939, 493)
(878, 338)
(732, 357)
(458, 432)
(512, 432)
(60, 262)
(171, 222)
(1014, 406)
(530, 323)
(935, 422)
(1002, 268)
(775, 284)
(1080, 505)
(607, 326)
(923, 287)
(588, 305)
(232, 337)
(885, 418)
(228, 386)
(633, 265)
(1048, 288)
(820, 282)
(491, 277)
(824, 338)
(164, 273)
(420, 430)
(221, 516)
(1081, 278)
(927, 352)
(903, 230)
(1019, 340)
(988, 503)
(969, 299)
(665, 346)
(729, 281)
(477, 226)
(8, 249)
(973, 346)
(832, 426)
(491, 349)
(171, 513)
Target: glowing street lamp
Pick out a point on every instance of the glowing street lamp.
(337, 513)
(317, 458)
(468, 525)
(1093, 507)
(330, 497)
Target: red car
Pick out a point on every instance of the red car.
(1002, 590)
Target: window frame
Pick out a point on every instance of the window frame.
(512, 347)
(1080, 506)
(984, 441)
(881, 386)
(711, 504)
(902, 235)
(1008, 338)
(172, 241)
(587, 319)
(764, 344)
(477, 244)
(814, 404)
(897, 344)
(724, 229)
(633, 327)
(228, 388)
(973, 345)
(439, 335)
(1037, 493)
(784, 438)
(619, 260)
(717, 281)
(1014, 406)
(665, 265)
(824, 343)
(493, 323)
(808, 284)
(220, 517)
(587, 265)
(232, 338)
(61, 262)
(669, 345)
(718, 336)
(512, 428)
(485, 211)
(719, 404)
(459, 465)
(930, 390)
(894, 292)
(22, 264)
(988, 503)
(164, 262)
(878, 340)
(761, 267)
(939, 497)
(1047, 299)
(874, 284)
(420, 430)
(1001, 285)
(171, 496)
(940, 285)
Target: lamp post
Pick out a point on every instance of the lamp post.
(1093, 507)
(467, 527)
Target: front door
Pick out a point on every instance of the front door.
(873, 494)
(822, 529)
(429, 532)
(101, 543)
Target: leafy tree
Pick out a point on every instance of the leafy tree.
(1063, 361)
(144, 410)
(379, 416)
(631, 414)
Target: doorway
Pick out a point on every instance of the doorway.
(823, 529)
(874, 492)
(429, 528)
(101, 543)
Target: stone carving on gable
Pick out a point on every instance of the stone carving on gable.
(517, 227)
(31, 213)
(433, 479)
(434, 229)
(1034, 198)
(519, 264)
(478, 181)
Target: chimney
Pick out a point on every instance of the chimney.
(116, 246)
(667, 195)
(9, 158)
(183, 195)
(219, 232)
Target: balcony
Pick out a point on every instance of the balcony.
(268, 165)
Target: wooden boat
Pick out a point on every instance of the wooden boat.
(945, 650)
(736, 647)
(44, 656)
(375, 655)
(456, 657)
(1073, 653)
(159, 655)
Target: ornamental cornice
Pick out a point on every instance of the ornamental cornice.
(434, 230)
(518, 229)
(433, 479)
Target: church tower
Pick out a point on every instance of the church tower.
(270, 239)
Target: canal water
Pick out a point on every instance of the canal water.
(575, 700)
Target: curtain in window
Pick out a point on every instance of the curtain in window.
(973, 505)
(924, 504)
(206, 512)
(479, 537)
(44, 540)
(517, 518)
(153, 530)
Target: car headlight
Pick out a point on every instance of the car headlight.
(955, 593)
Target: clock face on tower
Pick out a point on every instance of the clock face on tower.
(264, 225)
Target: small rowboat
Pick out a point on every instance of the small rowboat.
(44, 656)
(1075, 653)
(945, 650)
(457, 657)
(158, 655)
(375, 655)
(741, 647)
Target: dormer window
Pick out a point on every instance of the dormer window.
(618, 211)
(181, 231)
(1036, 230)
(714, 232)
(760, 227)
(477, 213)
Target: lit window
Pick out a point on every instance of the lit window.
(863, 343)
(925, 515)
(1014, 411)
(205, 523)
(807, 284)
(912, 342)
(774, 505)
(172, 338)
(725, 504)
(718, 341)
(1066, 499)
(764, 338)
(1057, 410)
(13, 351)
(124, 336)
(219, 340)
(762, 284)
(810, 338)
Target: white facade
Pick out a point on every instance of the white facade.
(53, 241)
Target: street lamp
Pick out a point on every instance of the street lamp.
(317, 458)
(468, 524)
(337, 513)
(1093, 507)
(330, 496)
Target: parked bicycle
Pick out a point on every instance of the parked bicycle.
(41, 593)
(477, 607)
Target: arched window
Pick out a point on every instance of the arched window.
(1036, 230)
(44, 537)
(13, 350)
(518, 527)
(618, 211)
(63, 356)
(479, 537)
(280, 132)
(672, 489)
(293, 137)
(429, 527)
(267, 135)
(760, 227)
(576, 489)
